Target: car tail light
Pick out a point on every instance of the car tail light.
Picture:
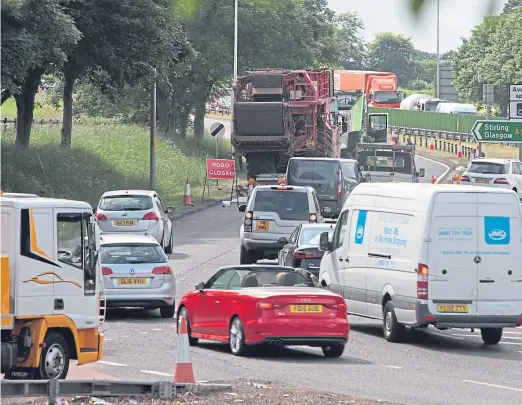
(106, 271)
(264, 305)
(162, 270)
(465, 179)
(100, 217)
(339, 306)
(151, 216)
(501, 181)
(305, 255)
(339, 183)
(422, 282)
(313, 218)
(248, 221)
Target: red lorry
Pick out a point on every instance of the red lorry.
(281, 113)
(380, 88)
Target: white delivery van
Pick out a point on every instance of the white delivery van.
(456, 108)
(427, 254)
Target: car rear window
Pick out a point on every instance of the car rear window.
(385, 161)
(132, 254)
(312, 236)
(488, 168)
(313, 171)
(126, 203)
(289, 205)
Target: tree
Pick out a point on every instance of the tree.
(392, 53)
(35, 37)
(123, 40)
(349, 45)
(512, 5)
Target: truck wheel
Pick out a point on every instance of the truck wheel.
(491, 336)
(54, 360)
(260, 162)
(393, 330)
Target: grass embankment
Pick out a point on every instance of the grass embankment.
(219, 116)
(105, 157)
(41, 110)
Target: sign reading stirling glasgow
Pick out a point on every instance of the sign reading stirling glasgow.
(497, 131)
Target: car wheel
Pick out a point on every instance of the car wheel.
(168, 312)
(237, 343)
(54, 360)
(183, 312)
(393, 330)
(245, 257)
(491, 336)
(170, 246)
(333, 351)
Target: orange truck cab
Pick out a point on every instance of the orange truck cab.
(380, 88)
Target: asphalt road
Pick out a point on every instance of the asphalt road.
(434, 368)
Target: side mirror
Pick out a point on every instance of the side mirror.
(94, 210)
(324, 243)
(282, 240)
(421, 173)
(242, 208)
(367, 178)
(170, 210)
(200, 286)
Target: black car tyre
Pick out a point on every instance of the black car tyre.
(491, 336)
(393, 330)
(245, 257)
(54, 360)
(237, 343)
(168, 312)
(333, 351)
(183, 312)
(170, 246)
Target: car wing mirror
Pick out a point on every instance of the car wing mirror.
(282, 240)
(242, 208)
(170, 210)
(422, 172)
(367, 178)
(200, 286)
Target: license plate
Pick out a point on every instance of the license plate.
(481, 181)
(132, 281)
(125, 222)
(306, 308)
(262, 225)
(453, 308)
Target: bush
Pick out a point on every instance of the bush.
(103, 157)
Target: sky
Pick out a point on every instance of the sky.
(457, 19)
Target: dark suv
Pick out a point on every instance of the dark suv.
(333, 180)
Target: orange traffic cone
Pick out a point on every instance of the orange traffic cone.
(183, 374)
(459, 149)
(187, 199)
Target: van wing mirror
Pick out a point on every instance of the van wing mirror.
(324, 243)
(421, 173)
(242, 208)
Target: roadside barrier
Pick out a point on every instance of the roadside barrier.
(183, 373)
(187, 198)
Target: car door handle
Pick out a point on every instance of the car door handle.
(487, 281)
(341, 259)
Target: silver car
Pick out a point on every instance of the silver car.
(271, 215)
(137, 211)
(136, 273)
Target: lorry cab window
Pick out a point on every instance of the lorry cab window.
(70, 239)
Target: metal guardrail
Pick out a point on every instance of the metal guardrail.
(54, 389)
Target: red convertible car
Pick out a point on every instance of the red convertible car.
(249, 305)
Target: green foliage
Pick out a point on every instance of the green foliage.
(103, 157)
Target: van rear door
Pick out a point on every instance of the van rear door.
(452, 280)
(499, 255)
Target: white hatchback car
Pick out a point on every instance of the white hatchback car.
(136, 211)
(136, 273)
(497, 173)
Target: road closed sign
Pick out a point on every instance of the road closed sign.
(221, 169)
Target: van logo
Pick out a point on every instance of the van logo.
(497, 234)
(360, 232)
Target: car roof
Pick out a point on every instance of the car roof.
(123, 238)
(129, 192)
(318, 225)
(300, 189)
(258, 267)
(493, 160)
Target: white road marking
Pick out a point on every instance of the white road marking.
(157, 329)
(512, 333)
(493, 385)
(107, 340)
(512, 337)
(509, 343)
(110, 363)
(396, 367)
(439, 163)
(156, 373)
(519, 351)
(144, 333)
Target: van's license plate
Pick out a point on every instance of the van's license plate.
(453, 308)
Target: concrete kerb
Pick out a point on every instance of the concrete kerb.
(202, 207)
(169, 390)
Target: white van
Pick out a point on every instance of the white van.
(428, 254)
(456, 108)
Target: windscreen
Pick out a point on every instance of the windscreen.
(383, 161)
(126, 203)
(311, 236)
(387, 97)
(132, 254)
(488, 168)
(289, 205)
